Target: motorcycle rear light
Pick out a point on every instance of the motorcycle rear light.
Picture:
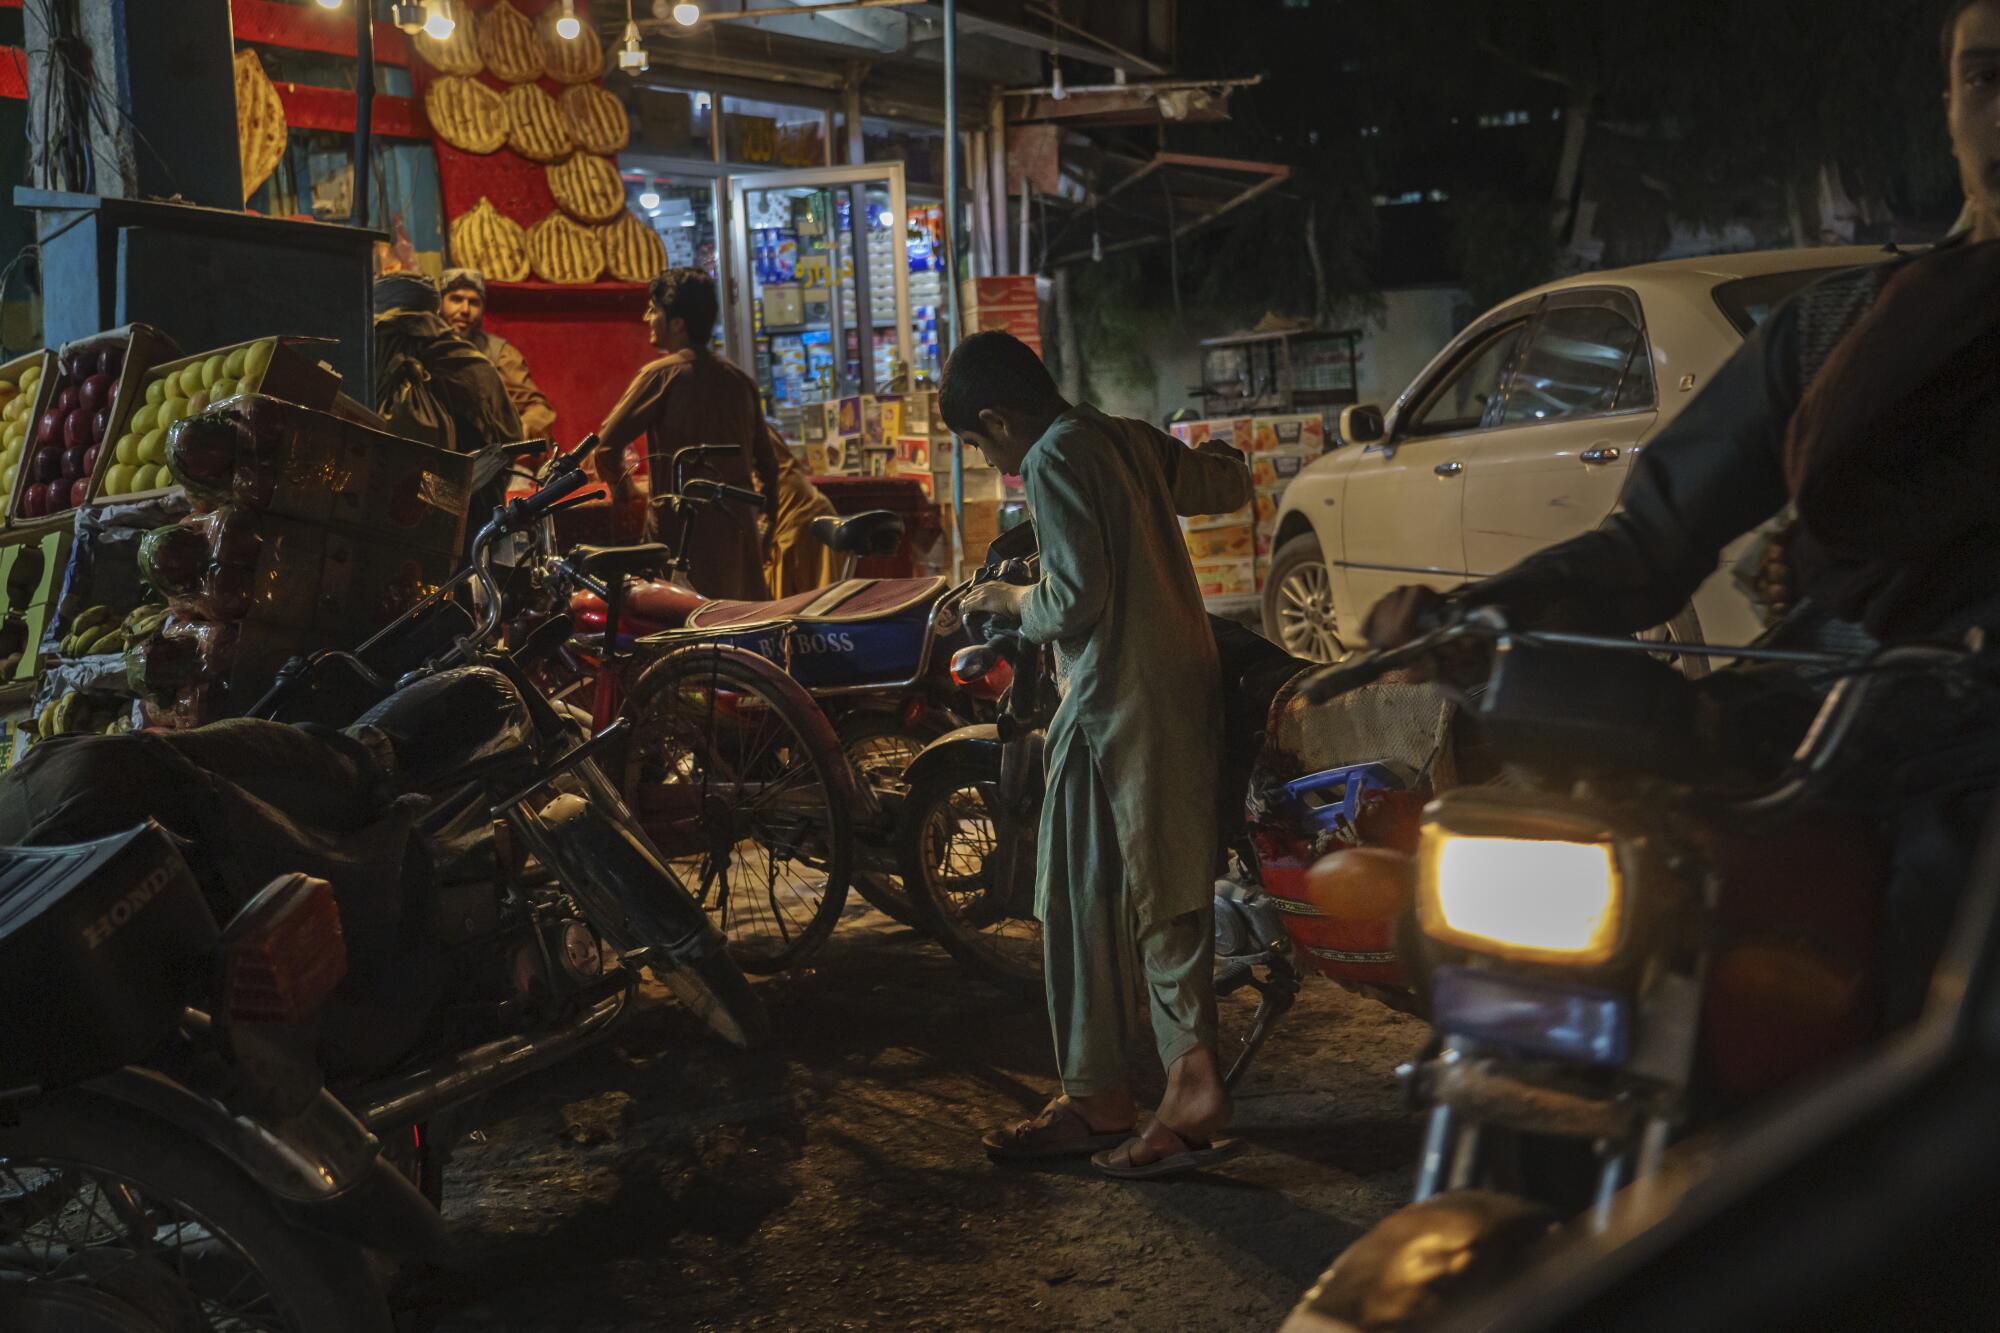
(1572, 1023)
(284, 953)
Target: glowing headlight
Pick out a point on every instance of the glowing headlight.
(1531, 899)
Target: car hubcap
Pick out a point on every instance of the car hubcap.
(1307, 625)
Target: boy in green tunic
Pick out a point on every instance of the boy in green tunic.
(1125, 882)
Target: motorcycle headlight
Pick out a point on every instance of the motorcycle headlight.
(1530, 884)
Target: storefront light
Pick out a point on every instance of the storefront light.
(687, 13)
(410, 18)
(329, 4)
(440, 24)
(649, 200)
(567, 26)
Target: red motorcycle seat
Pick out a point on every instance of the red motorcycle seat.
(650, 605)
(849, 600)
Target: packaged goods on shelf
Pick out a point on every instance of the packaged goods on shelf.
(1303, 434)
(1275, 471)
(1232, 431)
(1230, 543)
(1226, 578)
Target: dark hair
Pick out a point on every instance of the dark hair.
(688, 294)
(1951, 18)
(993, 371)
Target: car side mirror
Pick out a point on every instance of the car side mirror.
(1363, 424)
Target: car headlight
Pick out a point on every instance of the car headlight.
(1530, 885)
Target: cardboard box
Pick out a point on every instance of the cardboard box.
(1232, 543)
(848, 415)
(1274, 472)
(980, 523)
(784, 305)
(1231, 431)
(20, 434)
(913, 453)
(888, 420)
(920, 414)
(1300, 434)
(831, 458)
(1243, 517)
(1226, 578)
(142, 345)
(877, 461)
(816, 422)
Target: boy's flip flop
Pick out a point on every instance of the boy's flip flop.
(1038, 1140)
(1177, 1154)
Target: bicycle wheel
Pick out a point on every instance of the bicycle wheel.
(952, 851)
(739, 779)
(880, 748)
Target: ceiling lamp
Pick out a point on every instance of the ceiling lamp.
(649, 200)
(632, 51)
(567, 27)
(329, 4)
(439, 25)
(687, 13)
(410, 18)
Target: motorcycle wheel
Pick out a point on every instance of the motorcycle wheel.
(111, 1221)
(738, 778)
(946, 841)
(880, 748)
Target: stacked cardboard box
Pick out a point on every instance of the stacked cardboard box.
(1222, 546)
(1279, 448)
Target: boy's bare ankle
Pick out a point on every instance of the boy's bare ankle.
(1106, 1111)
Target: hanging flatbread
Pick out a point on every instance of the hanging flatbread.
(536, 126)
(565, 251)
(633, 251)
(509, 44)
(588, 187)
(260, 123)
(597, 119)
(467, 114)
(458, 53)
(490, 241)
(578, 59)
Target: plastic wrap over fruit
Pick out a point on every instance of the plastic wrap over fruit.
(159, 667)
(174, 558)
(204, 453)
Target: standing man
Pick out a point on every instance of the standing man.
(462, 292)
(1125, 883)
(692, 396)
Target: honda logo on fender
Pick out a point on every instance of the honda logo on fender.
(135, 901)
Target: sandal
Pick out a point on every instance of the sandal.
(1174, 1154)
(1043, 1138)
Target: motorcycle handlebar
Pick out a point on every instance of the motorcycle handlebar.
(528, 508)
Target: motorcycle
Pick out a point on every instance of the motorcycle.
(971, 819)
(168, 1155)
(1651, 932)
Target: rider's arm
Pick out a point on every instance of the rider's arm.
(1076, 573)
(1713, 474)
(1210, 478)
(628, 419)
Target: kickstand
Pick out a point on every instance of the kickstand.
(1276, 991)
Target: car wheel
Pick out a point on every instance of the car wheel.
(1299, 611)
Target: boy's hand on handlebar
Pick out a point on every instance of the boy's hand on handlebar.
(994, 599)
(1399, 616)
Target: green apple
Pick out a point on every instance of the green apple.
(118, 479)
(153, 447)
(126, 451)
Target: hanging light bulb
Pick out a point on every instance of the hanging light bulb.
(687, 13)
(1096, 246)
(440, 24)
(567, 27)
(410, 18)
(649, 200)
(632, 51)
(329, 4)
(1056, 88)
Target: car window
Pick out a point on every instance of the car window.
(1585, 360)
(1748, 302)
(1458, 402)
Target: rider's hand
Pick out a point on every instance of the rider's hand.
(609, 465)
(1400, 616)
(994, 599)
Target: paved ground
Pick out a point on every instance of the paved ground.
(834, 1181)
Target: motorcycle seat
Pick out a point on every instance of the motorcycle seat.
(872, 532)
(846, 602)
(604, 562)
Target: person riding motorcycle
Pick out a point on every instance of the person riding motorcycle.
(1857, 424)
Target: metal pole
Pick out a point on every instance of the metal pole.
(364, 106)
(948, 328)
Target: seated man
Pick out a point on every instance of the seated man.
(1868, 405)
(794, 559)
(462, 297)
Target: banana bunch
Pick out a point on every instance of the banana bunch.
(73, 713)
(96, 631)
(143, 622)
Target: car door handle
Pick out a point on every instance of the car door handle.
(1449, 469)
(1603, 453)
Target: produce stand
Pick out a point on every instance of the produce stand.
(1232, 552)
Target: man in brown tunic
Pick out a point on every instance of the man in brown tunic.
(692, 396)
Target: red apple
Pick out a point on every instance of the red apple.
(205, 448)
(72, 461)
(76, 429)
(46, 464)
(65, 399)
(237, 541)
(99, 425)
(49, 429)
(81, 366)
(111, 361)
(90, 461)
(95, 392)
(79, 491)
(173, 559)
(35, 501)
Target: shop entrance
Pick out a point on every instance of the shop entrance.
(818, 316)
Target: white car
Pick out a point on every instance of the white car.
(1519, 435)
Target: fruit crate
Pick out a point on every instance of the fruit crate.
(279, 366)
(123, 354)
(19, 416)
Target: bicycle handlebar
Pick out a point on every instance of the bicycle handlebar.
(702, 487)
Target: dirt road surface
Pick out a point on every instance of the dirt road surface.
(834, 1180)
